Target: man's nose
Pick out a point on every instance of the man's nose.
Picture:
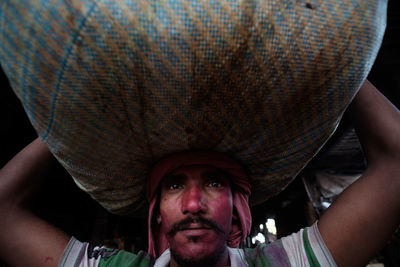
(193, 201)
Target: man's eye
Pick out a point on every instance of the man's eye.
(174, 186)
(215, 184)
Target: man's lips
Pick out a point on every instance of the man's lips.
(195, 227)
(195, 231)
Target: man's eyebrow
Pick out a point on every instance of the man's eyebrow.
(218, 172)
(173, 177)
(213, 172)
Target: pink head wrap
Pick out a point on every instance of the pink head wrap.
(157, 241)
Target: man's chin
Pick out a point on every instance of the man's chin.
(192, 248)
(195, 254)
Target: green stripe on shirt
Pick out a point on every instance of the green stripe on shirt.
(124, 258)
(312, 259)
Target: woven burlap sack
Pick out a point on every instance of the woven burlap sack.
(112, 86)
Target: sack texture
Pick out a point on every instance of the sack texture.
(112, 86)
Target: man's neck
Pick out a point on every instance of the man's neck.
(223, 262)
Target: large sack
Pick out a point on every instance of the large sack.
(114, 85)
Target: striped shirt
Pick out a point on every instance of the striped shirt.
(304, 249)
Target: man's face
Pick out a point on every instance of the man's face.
(196, 213)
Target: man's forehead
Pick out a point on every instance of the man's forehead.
(195, 171)
(194, 168)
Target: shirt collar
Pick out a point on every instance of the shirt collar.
(236, 258)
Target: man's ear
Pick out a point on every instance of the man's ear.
(159, 219)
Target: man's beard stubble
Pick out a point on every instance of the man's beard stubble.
(211, 259)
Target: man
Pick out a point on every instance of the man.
(198, 208)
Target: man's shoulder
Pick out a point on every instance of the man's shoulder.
(82, 254)
(272, 254)
(305, 247)
(125, 258)
(114, 257)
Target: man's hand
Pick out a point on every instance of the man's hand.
(366, 214)
(25, 239)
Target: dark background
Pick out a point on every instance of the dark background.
(62, 203)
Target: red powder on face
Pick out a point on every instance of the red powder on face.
(191, 192)
(49, 259)
(242, 218)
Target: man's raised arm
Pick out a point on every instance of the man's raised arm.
(366, 214)
(25, 239)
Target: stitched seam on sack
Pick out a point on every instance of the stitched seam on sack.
(63, 66)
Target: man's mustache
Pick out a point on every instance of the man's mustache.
(187, 224)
